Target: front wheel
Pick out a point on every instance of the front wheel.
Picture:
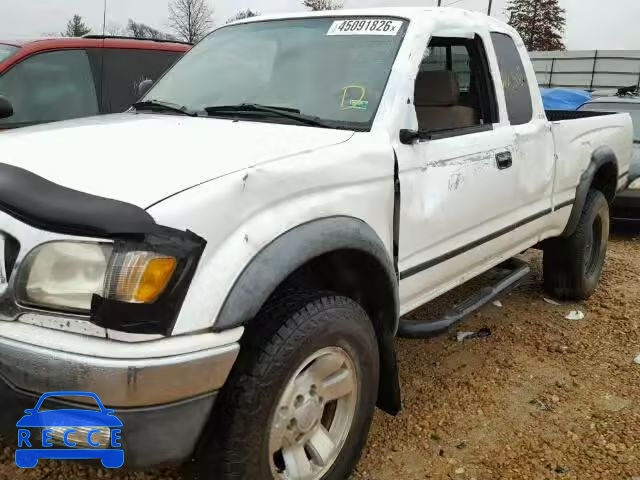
(300, 399)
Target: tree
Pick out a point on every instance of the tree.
(76, 27)
(190, 19)
(323, 4)
(242, 14)
(541, 23)
(114, 29)
(136, 30)
(142, 30)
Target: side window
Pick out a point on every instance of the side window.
(514, 79)
(461, 66)
(435, 58)
(453, 88)
(125, 69)
(455, 58)
(50, 86)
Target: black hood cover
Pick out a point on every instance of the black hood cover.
(48, 206)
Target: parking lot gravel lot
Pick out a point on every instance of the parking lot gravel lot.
(542, 398)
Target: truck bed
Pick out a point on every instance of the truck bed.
(577, 136)
(560, 115)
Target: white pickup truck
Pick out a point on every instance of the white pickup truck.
(226, 264)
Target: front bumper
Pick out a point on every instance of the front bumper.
(152, 436)
(626, 206)
(162, 394)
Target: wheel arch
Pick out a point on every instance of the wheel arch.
(340, 254)
(601, 174)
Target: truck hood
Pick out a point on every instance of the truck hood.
(143, 158)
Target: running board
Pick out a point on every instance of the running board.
(517, 270)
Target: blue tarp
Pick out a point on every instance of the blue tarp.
(563, 98)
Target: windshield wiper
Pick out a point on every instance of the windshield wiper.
(252, 108)
(159, 106)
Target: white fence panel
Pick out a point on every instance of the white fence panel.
(588, 69)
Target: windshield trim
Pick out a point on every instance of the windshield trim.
(351, 126)
(306, 17)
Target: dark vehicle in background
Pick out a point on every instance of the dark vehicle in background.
(627, 203)
(63, 78)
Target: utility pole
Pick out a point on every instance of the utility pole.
(489, 9)
(104, 18)
(439, 3)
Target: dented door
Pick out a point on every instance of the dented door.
(458, 201)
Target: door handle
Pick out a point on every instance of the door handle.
(504, 160)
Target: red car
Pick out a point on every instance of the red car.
(62, 78)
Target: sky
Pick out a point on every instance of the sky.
(595, 24)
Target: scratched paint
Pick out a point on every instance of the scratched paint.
(455, 181)
(464, 160)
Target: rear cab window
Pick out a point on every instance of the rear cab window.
(49, 86)
(514, 79)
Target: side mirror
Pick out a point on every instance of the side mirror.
(6, 109)
(409, 137)
(144, 87)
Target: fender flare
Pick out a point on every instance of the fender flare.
(291, 250)
(601, 156)
(287, 253)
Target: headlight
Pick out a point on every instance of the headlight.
(635, 185)
(66, 275)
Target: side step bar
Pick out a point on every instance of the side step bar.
(516, 271)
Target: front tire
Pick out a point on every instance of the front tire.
(573, 266)
(299, 402)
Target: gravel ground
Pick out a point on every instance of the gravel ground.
(542, 398)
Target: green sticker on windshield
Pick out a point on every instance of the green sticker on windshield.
(360, 104)
(354, 98)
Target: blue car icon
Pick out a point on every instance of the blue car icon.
(80, 432)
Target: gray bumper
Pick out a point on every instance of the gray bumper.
(124, 382)
(151, 436)
(627, 206)
(163, 402)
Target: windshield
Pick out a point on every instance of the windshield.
(332, 69)
(632, 108)
(6, 51)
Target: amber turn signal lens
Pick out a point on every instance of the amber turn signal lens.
(155, 278)
(138, 276)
